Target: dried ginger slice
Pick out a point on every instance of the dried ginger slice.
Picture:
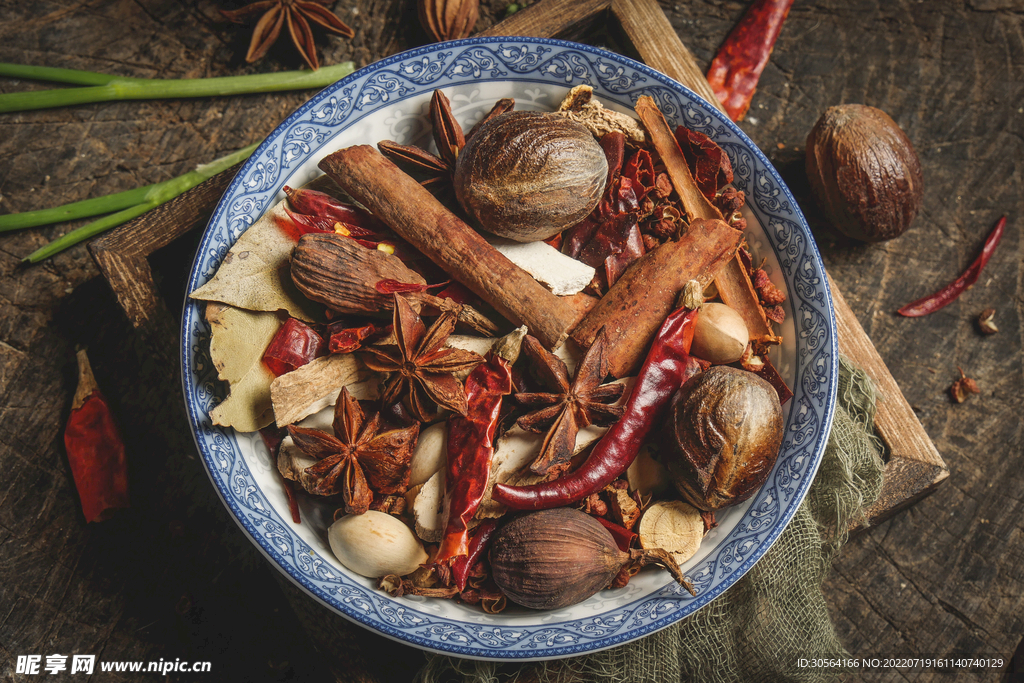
(674, 526)
(581, 106)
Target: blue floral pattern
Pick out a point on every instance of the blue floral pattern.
(617, 80)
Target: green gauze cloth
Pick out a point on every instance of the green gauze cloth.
(773, 616)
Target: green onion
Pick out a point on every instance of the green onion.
(104, 88)
(75, 210)
(151, 196)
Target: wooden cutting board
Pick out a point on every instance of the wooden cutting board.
(914, 467)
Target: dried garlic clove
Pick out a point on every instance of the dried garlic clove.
(428, 508)
(375, 544)
(430, 453)
(673, 526)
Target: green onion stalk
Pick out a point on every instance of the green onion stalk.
(126, 205)
(99, 87)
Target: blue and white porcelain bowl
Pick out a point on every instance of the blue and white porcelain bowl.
(389, 100)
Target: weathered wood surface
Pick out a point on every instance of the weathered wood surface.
(943, 577)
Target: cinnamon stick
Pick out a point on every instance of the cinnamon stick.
(412, 212)
(643, 297)
(732, 281)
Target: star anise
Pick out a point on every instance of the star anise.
(297, 14)
(421, 367)
(363, 456)
(438, 168)
(571, 407)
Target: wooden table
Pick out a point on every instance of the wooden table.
(174, 578)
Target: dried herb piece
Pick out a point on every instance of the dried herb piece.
(963, 387)
(580, 105)
(570, 407)
(944, 296)
(363, 456)
(986, 321)
(737, 66)
(296, 14)
(421, 367)
(95, 450)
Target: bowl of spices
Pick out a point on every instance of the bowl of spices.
(334, 407)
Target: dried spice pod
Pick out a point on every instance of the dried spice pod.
(723, 436)
(987, 322)
(864, 172)
(448, 19)
(529, 175)
(337, 272)
(556, 558)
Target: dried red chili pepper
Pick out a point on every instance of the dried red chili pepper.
(478, 544)
(577, 237)
(708, 162)
(623, 536)
(95, 450)
(470, 449)
(293, 503)
(323, 205)
(294, 345)
(947, 294)
(632, 249)
(458, 293)
(350, 339)
(272, 436)
(664, 370)
(640, 171)
(295, 225)
(736, 68)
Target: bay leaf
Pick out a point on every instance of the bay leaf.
(238, 340)
(255, 274)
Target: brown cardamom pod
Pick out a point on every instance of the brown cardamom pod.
(448, 19)
(342, 275)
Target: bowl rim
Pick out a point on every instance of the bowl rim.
(618, 637)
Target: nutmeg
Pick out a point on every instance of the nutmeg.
(864, 172)
(529, 175)
(723, 436)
